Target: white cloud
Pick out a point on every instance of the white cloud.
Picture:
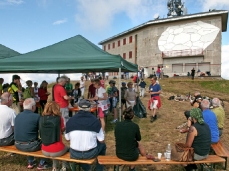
(15, 1)
(225, 62)
(99, 14)
(213, 4)
(59, 22)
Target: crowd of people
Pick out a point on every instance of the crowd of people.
(205, 124)
(86, 132)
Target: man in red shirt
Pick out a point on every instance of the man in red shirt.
(61, 97)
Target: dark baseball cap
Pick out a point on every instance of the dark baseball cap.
(84, 103)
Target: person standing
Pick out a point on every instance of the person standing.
(61, 97)
(91, 90)
(7, 116)
(14, 90)
(43, 93)
(158, 72)
(162, 72)
(155, 101)
(82, 86)
(130, 95)
(68, 87)
(113, 97)
(53, 98)
(107, 75)
(1, 88)
(193, 73)
(101, 97)
(35, 89)
(123, 100)
(127, 137)
(142, 86)
(86, 136)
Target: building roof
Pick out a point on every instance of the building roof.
(223, 13)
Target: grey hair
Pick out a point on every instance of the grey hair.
(5, 97)
(85, 109)
(215, 102)
(205, 104)
(197, 93)
(62, 78)
(29, 103)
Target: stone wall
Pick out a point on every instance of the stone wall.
(149, 56)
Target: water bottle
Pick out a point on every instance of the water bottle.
(168, 153)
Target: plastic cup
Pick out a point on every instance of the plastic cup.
(159, 155)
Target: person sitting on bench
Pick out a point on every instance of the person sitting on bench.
(51, 127)
(86, 136)
(26, 130)
(7, 116)
(211, 120)
(127, 137)
(199, 137)
(220, 114)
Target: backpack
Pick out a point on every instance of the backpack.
(26, 94)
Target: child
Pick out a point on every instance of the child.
(123, 100)
(142, 86)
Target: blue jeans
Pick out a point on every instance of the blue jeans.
(30, 147)
(7, 141)
(90, 154)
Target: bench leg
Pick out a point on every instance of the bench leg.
(116, 167)
(225, 168)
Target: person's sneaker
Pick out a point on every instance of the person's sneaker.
(43, 167)
(152, 119)
(31, 165)
(114, 121)
(155, 117)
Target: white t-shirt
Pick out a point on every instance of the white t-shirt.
(101, 103)
(84, 140)
(107, 74)
(7, 116)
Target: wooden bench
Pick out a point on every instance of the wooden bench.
(221, 151)
(65, 157)
(113, 160)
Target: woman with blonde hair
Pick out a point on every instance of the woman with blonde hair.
(51, 126)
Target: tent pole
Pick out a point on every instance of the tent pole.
(58, 73)
(120, 112)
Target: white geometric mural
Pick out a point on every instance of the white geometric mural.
(196, 35)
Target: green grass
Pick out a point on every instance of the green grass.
(221, 86)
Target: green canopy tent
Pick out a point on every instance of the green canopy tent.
(74, 55)
(6, 52)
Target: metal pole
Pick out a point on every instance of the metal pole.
(120, 112)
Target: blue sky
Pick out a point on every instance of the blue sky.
(27, 25)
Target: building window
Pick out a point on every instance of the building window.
(109, 46)
(124, 55)
(130, 39)
(118, 43)
(124, 41)
(104, 47)
(113, 45)
(130, 54)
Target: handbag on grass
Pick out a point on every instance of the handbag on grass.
(182, 153)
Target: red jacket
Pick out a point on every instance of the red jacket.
(41, 94)
(152, 99)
